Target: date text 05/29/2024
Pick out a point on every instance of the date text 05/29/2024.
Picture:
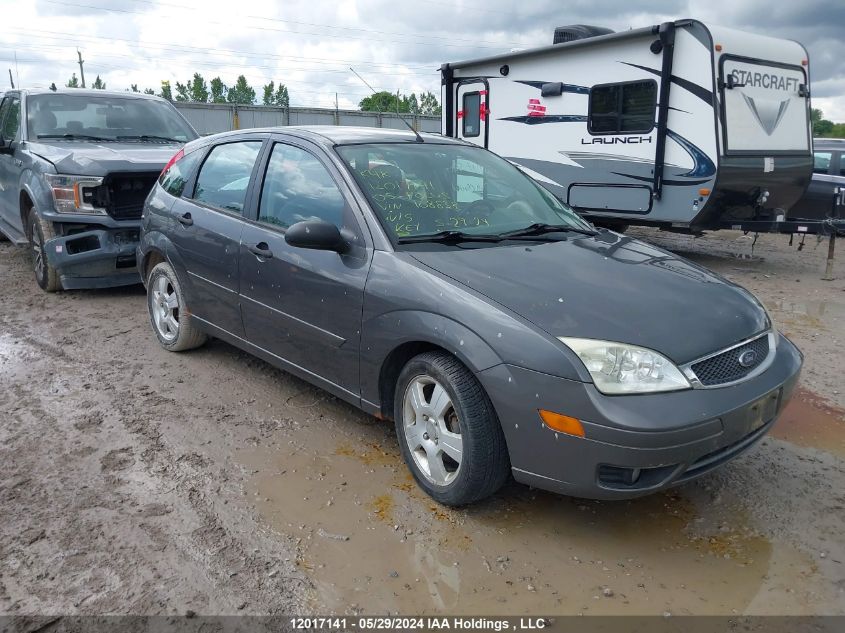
(418, 623)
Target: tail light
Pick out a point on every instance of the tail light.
(176, 158)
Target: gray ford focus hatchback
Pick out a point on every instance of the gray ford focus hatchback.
(431, 282)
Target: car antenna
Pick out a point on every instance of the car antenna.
(401, 118)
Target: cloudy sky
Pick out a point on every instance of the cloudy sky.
(394, 44)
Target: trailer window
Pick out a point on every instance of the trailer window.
(622, 108)
(472, 114)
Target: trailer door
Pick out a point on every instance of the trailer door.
(765, 107)
(471, 113)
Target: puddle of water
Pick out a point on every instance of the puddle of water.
(809, 313)
(809, 421)
(371, 540)
(14, 354)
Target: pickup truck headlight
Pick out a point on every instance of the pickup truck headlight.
(73, 194)
(618, 368)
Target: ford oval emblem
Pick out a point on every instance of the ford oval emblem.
(747, 358)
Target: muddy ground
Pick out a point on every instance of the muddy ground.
(133, 480)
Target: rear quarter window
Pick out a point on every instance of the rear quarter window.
(174, 179)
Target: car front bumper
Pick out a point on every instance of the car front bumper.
(99, 258)
(633, 444)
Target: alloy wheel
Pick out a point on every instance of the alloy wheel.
(37, 252)
(432, 430)
(164, 305)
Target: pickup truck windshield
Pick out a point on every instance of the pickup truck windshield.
(428, 189)
(106, 118)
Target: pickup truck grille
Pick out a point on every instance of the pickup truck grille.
(123, 195)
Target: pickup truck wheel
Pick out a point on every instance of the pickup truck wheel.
(448, 431)
(169, 317)
(46, 276)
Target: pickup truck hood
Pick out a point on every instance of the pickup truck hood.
(87, 158)
(608, 287)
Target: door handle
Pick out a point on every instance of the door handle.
(185, 219)
(261, 250)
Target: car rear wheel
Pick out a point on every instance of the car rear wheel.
(171, 321)
(46, 276)
(448, 431)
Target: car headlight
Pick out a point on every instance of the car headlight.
(74, 194)
(620, 368)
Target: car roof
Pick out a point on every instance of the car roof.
(331, 135)
(88, 92)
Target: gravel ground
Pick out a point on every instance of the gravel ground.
(136, 481)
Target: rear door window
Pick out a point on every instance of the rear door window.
(224, 177)
(472, 114)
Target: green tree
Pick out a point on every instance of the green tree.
(413, 104)
(198, 89)
(182, 92)
(267, 97)
(166, 92)
(838, 131)
(98, 84)
(384, 102)
(218, 91)
(429, 104)
(241, 92)
(149, 91)
(282, 98)
(53, 87)
(134, 88)
(821, 126)
(73, 82)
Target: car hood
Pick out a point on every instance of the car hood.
(609, 287)
(88, 158)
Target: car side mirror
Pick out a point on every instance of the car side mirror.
(317, 235)
(5, 145)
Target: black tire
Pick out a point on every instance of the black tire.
(484, 465)
(46, 276)
(186, 335)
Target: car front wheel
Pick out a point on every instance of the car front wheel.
(46, 276)
(448, 431)
(169, 317)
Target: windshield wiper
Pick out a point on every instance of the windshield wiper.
(540, 228)
(148, 137)
(449, 237)
(86, 137)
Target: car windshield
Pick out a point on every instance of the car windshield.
(421, 189)
(109, 118)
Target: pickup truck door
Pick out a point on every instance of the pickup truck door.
(817, 201)
(10, 164)
(304, 306)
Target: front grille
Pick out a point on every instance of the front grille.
(123, 195)
(726, 367)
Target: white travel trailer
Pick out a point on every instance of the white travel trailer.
(682, 125)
